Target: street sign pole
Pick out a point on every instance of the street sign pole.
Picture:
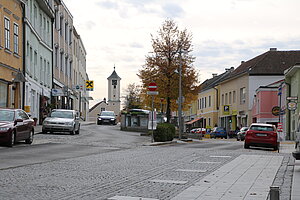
(152, 115)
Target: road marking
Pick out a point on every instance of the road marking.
(208, 162)
(191, 170)
(169, 181)
(220, 156)
(129, 198)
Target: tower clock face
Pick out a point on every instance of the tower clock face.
(114, 82)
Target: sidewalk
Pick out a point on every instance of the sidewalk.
(247, 177)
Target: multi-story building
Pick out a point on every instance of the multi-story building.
(62, 57)
(292, 114)
(209, 99)
(79, 76)
(238, 90)
(11, 53)
(38, 21)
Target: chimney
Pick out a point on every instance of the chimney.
(273, 49)
(242, 62)
(214, 75)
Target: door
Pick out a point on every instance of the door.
(28, 123)
(20, 126)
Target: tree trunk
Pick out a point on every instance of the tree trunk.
(168, 113)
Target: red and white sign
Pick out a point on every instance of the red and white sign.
(279, 127)
(152, 86)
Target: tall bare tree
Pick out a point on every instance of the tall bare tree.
(171, 48)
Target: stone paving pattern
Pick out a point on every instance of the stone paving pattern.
(127, 171)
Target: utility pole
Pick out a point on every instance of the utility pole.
(180, 97)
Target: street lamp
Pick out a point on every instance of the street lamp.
(180, 97)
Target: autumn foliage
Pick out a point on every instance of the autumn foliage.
(171, 48)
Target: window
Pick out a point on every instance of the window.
(205, 102)
(70, 37)
(61, 62)
(61, 26)
(35, 65)
(242, 95)
(70, 71)
(56, 57)
(233, 97)
(200, 103)
(66, 33)
(41, 71)
(222, 99)
(209, 101)
(66, 66)
(45, 72)
(226, 98)
(16, 38)
(48, 74)
(229, 97)
(35, 15)
(209, 122)
(7, 32)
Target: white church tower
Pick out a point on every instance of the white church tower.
(114, 102)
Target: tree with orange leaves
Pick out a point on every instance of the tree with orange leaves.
(163, 63)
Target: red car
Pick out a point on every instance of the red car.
(261, 135)
(15, 125)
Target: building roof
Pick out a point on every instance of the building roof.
(114, 75)
(272, 62)
(210, 83)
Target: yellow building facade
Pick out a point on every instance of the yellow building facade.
(11, 54)
(233, 110)
(207, 108)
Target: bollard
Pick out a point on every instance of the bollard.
(274, 193)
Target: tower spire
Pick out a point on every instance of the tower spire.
(114, 66)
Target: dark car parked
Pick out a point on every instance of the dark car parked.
(218, 132)
(107, 117)
(15, 125)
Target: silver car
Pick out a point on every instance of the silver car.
(62, 120)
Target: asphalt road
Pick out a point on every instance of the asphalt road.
(103, 162)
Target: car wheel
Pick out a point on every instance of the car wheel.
(77, 132)
(12, 139)
(30, 139)
(276, 148)
(98, 122)
(246, 146)
(237, 138)
(73, 131)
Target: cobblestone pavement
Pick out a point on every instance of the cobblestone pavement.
(133, 170)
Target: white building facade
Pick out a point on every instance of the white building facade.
(38, 46)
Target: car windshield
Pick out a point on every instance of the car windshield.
(218, 129)
(105, 113)
(62, 114)
(261, 128)
(7, 115)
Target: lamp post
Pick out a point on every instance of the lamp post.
(180, 97)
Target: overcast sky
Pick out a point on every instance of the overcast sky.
(225, 32)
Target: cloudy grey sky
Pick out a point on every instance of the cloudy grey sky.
(225, 32)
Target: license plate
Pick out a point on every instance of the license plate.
(106, 120)
(261, 134)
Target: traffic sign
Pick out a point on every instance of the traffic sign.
(279, 127)
(152, 86)
(89, 85)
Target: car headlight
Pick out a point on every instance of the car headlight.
(4, 128)
(45, 122)
(112, 119)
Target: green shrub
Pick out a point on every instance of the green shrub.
(164, 132)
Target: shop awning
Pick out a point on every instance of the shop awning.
(193, 121)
